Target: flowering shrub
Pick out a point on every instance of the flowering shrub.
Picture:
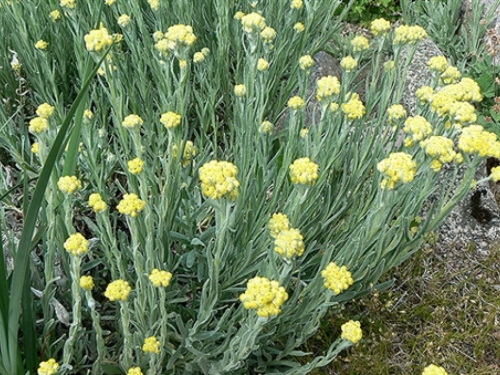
(181, 229)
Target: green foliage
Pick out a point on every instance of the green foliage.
(365, 11)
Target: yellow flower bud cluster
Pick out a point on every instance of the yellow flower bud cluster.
(55, 15)
(170, 119)
(69, 184)
(97, 40)
(41, 44)
(190, 152)
(296, 103)
(160, 278)
(180, 35)
(463, 113)
(348, 63)
(380, 26)
(132, 122)
(218, 180)
(351, 331)
(154, 4)
(409, 34)
(278, 223)
(434, 370)
(354, 108)
(297, 4)
(474, 139)
(49, 367)
(398, 167)
(438, 63)
(395, 113)
(117, 290)
(441, 149)
(450, 75)
(495, 174)
(35, 148)
(76, 244)
(151, 345)
(303, 171)
(327, 87)
(134, 371)
(97, 203)
(289, 242)
(38, 125)
(268, 34)
(135, 166)
(253, 22)
(359, 43)
(425, 94)
(418, 127)
(124, 20)
(86, 282)
(264, 295)
(45, 110)
(266, 127)
(262, 65)
(337, 278)
(130, 205)
(299, 27)
(70, 4)
(240, 90)
(306, 62)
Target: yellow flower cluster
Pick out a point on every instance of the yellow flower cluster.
(38, 125)
(69, 184)
(86, 282)
(70, 4)
(45, 110)
(441, 149)
(130, 205)
(179, 36)
(160, 278)
(327, 87)
(434, 370)
(97, 203)
(253, 22)
(418, 127)
(132, 122)
(170, 119)
(190, 151)
(76, 244)
(359, 43)
(266, 127)
(218, 179)
(438, 63)
(198, 57)
(337, 278)
(297, 4)
(474, 139)
(495, 174)
(304, 132)
(262, 65)
(240, 90)
(396, 112)
(118, 290)
(97, 40)
(463, 112)
(154, 4)
(289, 242)
(88, 115)
(41, 44)
(409, 34)
(268, 34)
(264, 295)
(35, 148)
(354, 108)
(124, 20)
(299, 27)
(303, 171)
(151, 345)
(398, 167)
(55, 15)
(351, 331)
(134, 371)
(49, 367)
(380, 26)
(389, 65)
(296, 103)
(306, 62)
(135, 166)
(348, 63)
(450, 75)
(425, 94)
(278, 223)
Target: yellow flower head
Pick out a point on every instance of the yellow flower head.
(266, 127)
(303, 171)
(38, 125)
(425, 94)
(182, 63)
(99, 39)
(306, 62)
(438, 63)
(337, 278)
(97, 203)
(440, 148)
(277, 224)
(218, 179)
(354, 108)
(240, 90)
(45, 110)
(69, 184)
(351, 331)
(296, 103)
(238, 15)
(76, 244)
(434, 370)
(86, 282)
(495, 174)
(132, 122)
(70, 4)
(470, 90)
(41, 44)
(88, 115)
(198, 57)
(35, 148)
(289, 242)
(130, 205)
(334, 107)
(253, 22)
(463, 113)
(409, 34)
(268, 34)
(135, 166)
(151, 345)
(118, 290)
(179, 36)
(123, 20)
(396, 112)
(359, 43)
(327, 87)
(49, 367)
(304, 132)
(389, 65)
(134, 371)
(299, 27)
(109, 2)
(348, 63)
(154, 4)
(474, 139)
(380, 26)
(418, 127)
(190, 151)
(170, 119)
(297, 4)
(55, 15)
(160, 278)
(262, 65)
(450, 75)
(264, 295)
(398, 167)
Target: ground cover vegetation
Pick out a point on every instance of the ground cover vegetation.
(182, 212)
